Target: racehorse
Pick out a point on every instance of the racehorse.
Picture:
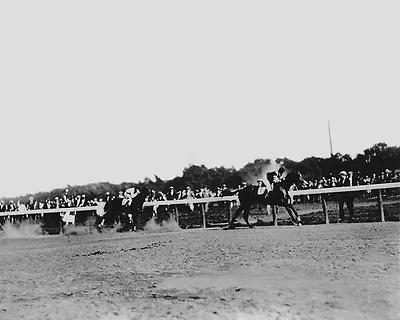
(279, 196)
(126, 214)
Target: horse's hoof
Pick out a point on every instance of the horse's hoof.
(251, 227)
(230, 227)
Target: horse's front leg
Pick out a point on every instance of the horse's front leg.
(246, 217)
(231, 224)
(298, 220)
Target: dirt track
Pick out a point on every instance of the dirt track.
(348, 271)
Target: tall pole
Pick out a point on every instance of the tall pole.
(330, 138)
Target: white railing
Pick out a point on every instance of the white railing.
(192, 201)
(368, 187)
(43, 211)
(293, 193)
(322, 191)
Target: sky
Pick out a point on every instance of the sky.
(122, 90)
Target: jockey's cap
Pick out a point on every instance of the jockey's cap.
(343, 173)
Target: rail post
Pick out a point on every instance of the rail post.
(203, 211)
(323, 201)
(176, 214)
(274, 219)
(380, 206)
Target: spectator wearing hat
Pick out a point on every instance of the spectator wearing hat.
(47, 204)
(67, 199)
(11, 206)
(32, 204)
(347, 198)
(190, 195)
(171, 194)
(83, 202)
(57, 202)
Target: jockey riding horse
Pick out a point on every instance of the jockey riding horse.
(124, 211)
(278, 196)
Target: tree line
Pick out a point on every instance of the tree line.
(373, 160)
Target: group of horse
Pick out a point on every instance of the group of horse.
(126, 215)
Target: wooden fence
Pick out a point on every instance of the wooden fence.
(156, 204)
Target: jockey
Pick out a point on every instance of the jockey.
(281, 172)
(262, 188)
(129, 194)
(274, 178)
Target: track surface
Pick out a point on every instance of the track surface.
(347, 271)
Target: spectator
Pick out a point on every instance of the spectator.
(11, 206)
(83, 202)
(21, 206)
(171, 195)
(3, 207)
(47, 204)
(345, 197)
(32, 204)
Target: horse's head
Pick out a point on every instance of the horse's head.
(295, 178)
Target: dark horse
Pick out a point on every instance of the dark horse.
(127, 215)
(279, 196)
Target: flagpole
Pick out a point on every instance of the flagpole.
(330, 137)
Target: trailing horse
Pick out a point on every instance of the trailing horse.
(279, 196)
(126, 214)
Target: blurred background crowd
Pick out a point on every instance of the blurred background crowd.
(74, 199)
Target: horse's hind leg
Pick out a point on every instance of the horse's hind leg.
(291, 214)
(246, 217)
(295, 217)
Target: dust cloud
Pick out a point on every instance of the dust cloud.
(272, 166)
(169, 225)
(25, 229)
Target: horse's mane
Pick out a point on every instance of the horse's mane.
(290, 179)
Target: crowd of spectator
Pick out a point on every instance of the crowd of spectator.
(67, 200)
(357, 179)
